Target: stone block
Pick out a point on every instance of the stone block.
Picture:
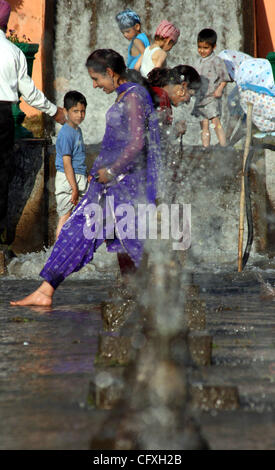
(195, 314)
(114, 351)
(214, 397)
(200, 348)
(114, 314)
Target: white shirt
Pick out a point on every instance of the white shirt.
(146, 62)
(14, 78)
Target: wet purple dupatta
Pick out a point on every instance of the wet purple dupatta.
(145, 128)
(153, 140)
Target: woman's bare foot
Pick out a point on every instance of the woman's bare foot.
(43, 297)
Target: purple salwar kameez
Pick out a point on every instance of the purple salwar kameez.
(131, 148)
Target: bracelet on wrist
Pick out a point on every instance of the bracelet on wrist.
(110, 173)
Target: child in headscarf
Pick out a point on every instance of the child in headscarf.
(130, 25)
(166, 37)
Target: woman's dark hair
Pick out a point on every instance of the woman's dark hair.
(72, 98)
(189, 75)
(161, 77)
(101, 59)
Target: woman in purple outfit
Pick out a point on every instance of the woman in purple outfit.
(125, 172)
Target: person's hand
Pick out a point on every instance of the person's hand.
(180, 127)
(90, 177)
(103, 175)
(217, 93)
(75, 196)
(60, 116)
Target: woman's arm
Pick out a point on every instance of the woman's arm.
(134, 112)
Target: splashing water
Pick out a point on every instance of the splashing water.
(267, 288)
(28, 266)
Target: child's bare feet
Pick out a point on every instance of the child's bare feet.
(43, 297)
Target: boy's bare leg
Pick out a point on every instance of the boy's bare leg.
(61, 222)
(43, 296)
(205, 134)
(219, 131)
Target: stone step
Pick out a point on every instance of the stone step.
(214, 397)
(200, 347)
(195, 314)
(114, 351)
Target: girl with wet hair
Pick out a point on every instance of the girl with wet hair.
(189, 76)
(124, 173)
(173, 87)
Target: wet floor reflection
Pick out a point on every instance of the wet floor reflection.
(47, 357)
(63, 370)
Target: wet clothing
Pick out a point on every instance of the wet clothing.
(147, 63)
(255, 84)
(163, 105)
(213, 72)
(132, 60)
(131, 149)
(263, 113)
(256, 75)
(233, 60)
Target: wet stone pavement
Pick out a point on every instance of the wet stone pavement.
(47, 364)
(242, 324)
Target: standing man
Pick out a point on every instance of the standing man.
(13, 79)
